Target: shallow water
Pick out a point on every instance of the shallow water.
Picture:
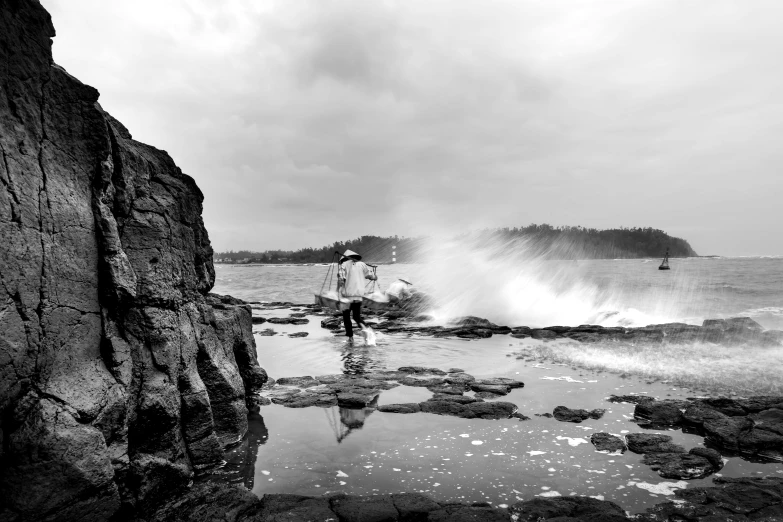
(629, 292)
(313, 451)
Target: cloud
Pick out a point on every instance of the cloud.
(309, 122)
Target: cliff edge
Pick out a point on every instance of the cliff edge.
(120, 374)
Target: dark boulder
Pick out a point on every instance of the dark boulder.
(542, 334)
(679, 466)
(301, 382)
(566, 509)
(632, 399)
(565, 414)
(652, 443)
(461, 399)
(287, 320)
(451, 408)
(333, 323)
(462, 513)
(411, 407)
(608, 442)
(492, 410)
(501, 381)
(414, 506)
(660, 413)
(355, 400)
(496, 389)
(420, 369)
(352, 508)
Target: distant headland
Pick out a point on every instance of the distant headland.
(545, 241)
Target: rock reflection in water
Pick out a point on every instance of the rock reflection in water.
(241, 460)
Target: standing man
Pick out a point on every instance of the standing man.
(350, 284)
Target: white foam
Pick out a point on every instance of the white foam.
(572, 441)
(662, 488)
(565, 378)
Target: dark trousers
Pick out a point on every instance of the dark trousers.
(356, 308)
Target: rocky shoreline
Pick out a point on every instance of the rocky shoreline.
(730, 500)
(122, 377)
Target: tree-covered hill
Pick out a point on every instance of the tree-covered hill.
(535, 240)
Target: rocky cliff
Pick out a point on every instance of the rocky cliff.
(120, 375)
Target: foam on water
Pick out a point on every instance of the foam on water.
(506, 284)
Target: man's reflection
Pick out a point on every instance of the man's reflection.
(350, 419)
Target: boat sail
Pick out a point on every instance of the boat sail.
(665, 262)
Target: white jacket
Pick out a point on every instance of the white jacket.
(352, 274)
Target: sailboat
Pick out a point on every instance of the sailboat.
(665, 262)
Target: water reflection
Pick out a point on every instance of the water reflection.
(344, 421)
(360, 359)
(241, 459)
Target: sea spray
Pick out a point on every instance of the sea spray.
(514, 282)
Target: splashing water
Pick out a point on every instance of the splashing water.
(513, 282)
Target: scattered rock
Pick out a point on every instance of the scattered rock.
(411, 407)
(542, 334)
(268, 332)
(652, 443)
(287, 320)
(660, 413)
(298, 334)
(258, 320)
(461, 399)
(608, 442)
(632, 399)
(491, 388)
(567, 509)
(679, 466)
(565, 414)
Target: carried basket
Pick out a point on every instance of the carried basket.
(334, 304)
(329, 297)
(371, 303)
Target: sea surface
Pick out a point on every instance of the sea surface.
(607, 292)
(315, 451)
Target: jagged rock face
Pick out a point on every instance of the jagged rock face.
(119, 374)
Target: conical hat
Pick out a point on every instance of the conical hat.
(352, 254)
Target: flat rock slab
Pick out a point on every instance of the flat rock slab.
(354, 400)
(287, 320)
(352, 508)
(410, 407)
(632, 399)
(298, 334)
(652, 443)
(608, 442)
(461, 399)
(567, 509)
(660, 413)
(565, 414)
(497, 389)
(501, 381)
(679, 466)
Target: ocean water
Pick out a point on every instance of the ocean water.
(545, 293)
(316, 451)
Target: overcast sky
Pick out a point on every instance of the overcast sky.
(309, 122)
